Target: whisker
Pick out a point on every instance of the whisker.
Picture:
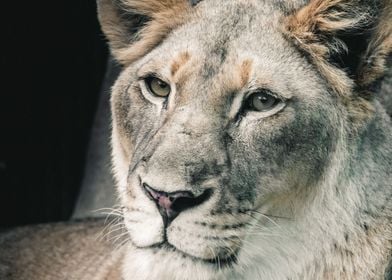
(114, 229)
(122, 244)
(116, 238)
(269, 215)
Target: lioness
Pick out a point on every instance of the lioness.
(248, 143)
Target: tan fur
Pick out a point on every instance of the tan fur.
(164, 17)
(47, 252)
(177, 64)
(245, 70)
(314, 28)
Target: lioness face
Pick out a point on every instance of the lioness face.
(218, 133)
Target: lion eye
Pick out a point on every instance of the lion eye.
(157, 86)
(261, 101)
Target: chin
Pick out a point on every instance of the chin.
(166, 262)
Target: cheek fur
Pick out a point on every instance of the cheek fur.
(289, 152)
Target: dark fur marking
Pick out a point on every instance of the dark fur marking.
(388, 273)
(199, 171)
(228, 238)
(223, 227)
(231, 29)
(227, 140)
(194, 2)
(134, 221)
(134, 23)
(244, 211)
(136, 210)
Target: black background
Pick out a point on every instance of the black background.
(53, 58)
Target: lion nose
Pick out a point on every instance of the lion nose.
(171, 204)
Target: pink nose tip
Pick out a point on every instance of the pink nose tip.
(171, 204)
(164, 201)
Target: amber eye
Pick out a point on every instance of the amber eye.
(261, 101)
(157, 86)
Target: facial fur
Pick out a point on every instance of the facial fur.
(286, 190)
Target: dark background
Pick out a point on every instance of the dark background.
(53, 58)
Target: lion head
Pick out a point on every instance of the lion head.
(233, 130)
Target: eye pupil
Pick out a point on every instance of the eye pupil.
(263, 98)
(262, 101)
(157, 87)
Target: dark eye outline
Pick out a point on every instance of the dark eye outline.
(147, 81)
(248, 102)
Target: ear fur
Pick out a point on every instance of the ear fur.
(376, 59)
(134, 27)
(341, 39)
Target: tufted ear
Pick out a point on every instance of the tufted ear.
(134, 27)
(349, 41)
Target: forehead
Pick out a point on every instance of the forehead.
(220, 28)
(226, 38)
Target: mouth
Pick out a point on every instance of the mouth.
(217, 262)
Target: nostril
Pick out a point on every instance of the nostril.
(183, 202)
(171, 204)
(154, 194)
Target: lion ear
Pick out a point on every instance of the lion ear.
(134, 27)
(348, 40)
